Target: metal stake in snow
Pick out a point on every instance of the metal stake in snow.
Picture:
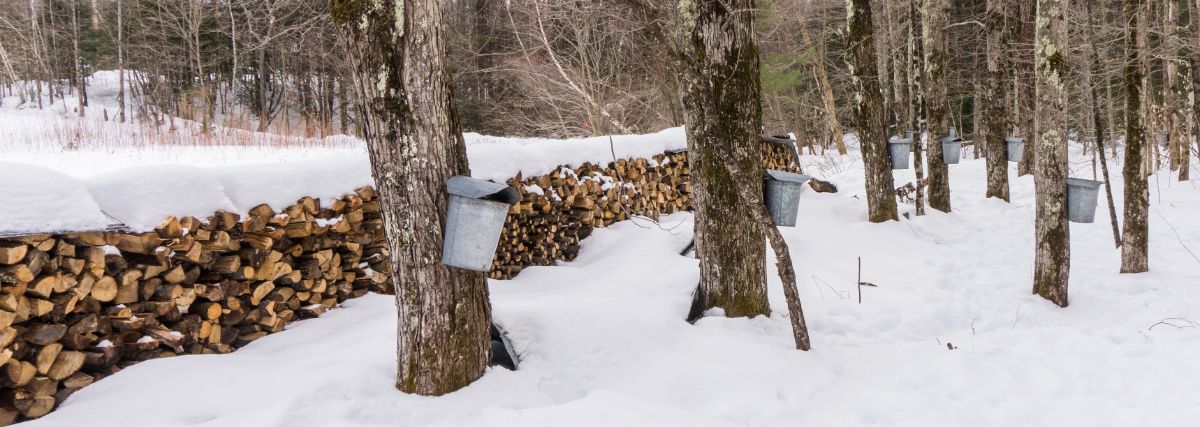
(861, 283)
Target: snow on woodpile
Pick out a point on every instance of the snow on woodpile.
(141, 187)
(35, 199)
(143, 196)
(280, 184)
(500, 158)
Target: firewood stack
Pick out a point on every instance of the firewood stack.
(559, 209)
(75, 308)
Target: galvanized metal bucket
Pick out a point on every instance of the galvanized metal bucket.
(952, 148)
(1016, 147)
(474, 218)
(1081, 199)
(781, 192)
(898, 151)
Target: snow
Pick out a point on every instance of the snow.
(500, 158)
(36, 200)
(143, 196)
(142, 173)
(602, 339)
(951, 335)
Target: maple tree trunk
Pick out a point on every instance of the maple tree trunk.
(1000, 23)
(723, 118)
(1137, 194)
(1052, 262)
(415, 145)
(935, 16)
(869, 107)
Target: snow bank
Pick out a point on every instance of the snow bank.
(39, 200)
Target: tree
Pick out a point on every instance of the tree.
(1093, 93)
(818, 64)
(1137, 193)
(935, 17)
(721, 108)
(1194, 71)
(1000, 23)
(1052, 264)
(415, 145)
(869, 112)
(916, 106)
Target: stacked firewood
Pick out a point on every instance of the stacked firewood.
(75, 308)
(559, 209)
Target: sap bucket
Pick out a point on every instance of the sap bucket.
(898, 150)
(1081, 199)
(1016, 147)
(781, 192)
(952, 148)
(474, 218)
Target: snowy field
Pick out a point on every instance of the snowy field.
(951, 336)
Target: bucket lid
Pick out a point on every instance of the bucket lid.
(894, 140)
(1014, 139)
(1085, 183)
(464, 186)
(778, 175)
(950, 139)
(778, 139)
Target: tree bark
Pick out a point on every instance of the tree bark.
(1024, 87)
(1170, 99)
(1091, 65)
(1137, 194)
(1052, 263)
(869, 107)
(1194, 70)
(723, 116)
(415, 145)
(80, 85)
(935, 17)
(120, 64)
(1001, 24)
(916, 111)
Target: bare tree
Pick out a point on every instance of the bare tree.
(721, 107)
(869, 114)
(935, 16)
(1001, 23)
(1052, 264)
(1134, 243)
(415, 145)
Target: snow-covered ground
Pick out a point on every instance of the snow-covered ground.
(602, 340)
(951, 336)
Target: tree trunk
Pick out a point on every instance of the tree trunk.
(721, 99)
(415, 145)
(1194, 70)
(1137, 194)
(1170, 103)
(935, 17)
(80, 85)
(1092, 64)
(916, 111)
(1000, 23)
(1024, 94)
(120, 64)
(1052, 263)
(869, 112)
